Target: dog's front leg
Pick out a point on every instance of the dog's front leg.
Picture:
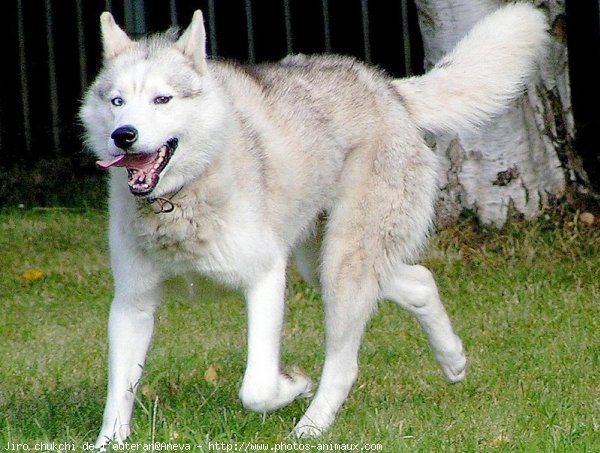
(130, 327)
(130, 330)
(264, 386)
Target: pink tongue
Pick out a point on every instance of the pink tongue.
(106, 164)
(137, 161)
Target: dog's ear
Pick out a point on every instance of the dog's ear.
(193, 43)
(114, 39)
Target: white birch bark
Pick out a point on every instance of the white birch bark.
(525, 158)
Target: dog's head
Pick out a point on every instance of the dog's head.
(154, 108)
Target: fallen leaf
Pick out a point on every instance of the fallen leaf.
(211, 375)
(32, 275)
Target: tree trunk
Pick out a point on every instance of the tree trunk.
(525, 158)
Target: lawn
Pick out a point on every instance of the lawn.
(526, 301)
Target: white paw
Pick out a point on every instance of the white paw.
(307, 431)
(298, 383)
(110, 436)
(452, 360)
(312, 426)
(263, 395)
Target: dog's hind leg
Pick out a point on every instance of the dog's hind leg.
(413, 288)
(265, 387)
(350, 293)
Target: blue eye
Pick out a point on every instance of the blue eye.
(162, 99)
(117, 101)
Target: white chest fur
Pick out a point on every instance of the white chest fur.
(226, 243)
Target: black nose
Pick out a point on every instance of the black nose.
(124, 136)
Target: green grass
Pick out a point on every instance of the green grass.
(526, 301)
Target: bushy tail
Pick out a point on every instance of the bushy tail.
(477, 80)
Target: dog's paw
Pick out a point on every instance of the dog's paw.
(106, 438)
(102, 444)
(264, 395)
(299, 384)
(317, 419)
(452, 360)
(307, 431)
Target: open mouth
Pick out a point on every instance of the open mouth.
(143, 169)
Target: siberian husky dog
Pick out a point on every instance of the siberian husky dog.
(224, 169)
